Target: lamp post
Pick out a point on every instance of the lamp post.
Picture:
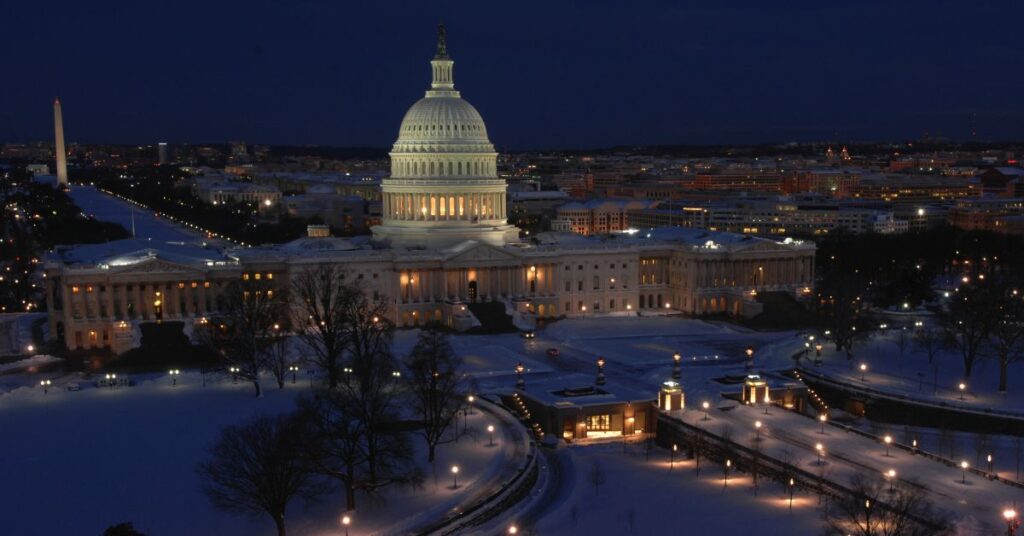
(470, 399)
(45, 384)
(705, 405)
(1010, 516)
(963, 466)
(111, 380)
(345, 522)
(867, 514)
(962, 387)
(234, 374)
(600, 370)
(513, 529)
(791, 484)
(817, 353)
(757, 428)
(820, 449)
(888, 441)
(520, 382)
(672, 462)
(455, 477)
(490, 433)
(863, 371)
(728, 464)
(294, 369)
(822, 418)
(890, 475)
(750, 357)
(676, 358)
(989, 458)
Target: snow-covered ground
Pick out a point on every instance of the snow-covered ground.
(908, 372)
(77, 462)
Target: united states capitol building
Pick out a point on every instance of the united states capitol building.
(443, 253)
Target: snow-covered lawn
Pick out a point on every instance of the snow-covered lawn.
(909, 372)
(78, 462)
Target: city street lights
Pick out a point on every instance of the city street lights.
(863, 371)
(817, 353)
(234, 374)
(490, 433)
(45, 384)
(963, 466)
(676, 358)
(750, 357)
(791, 484)
(705, 405)
(888, 441)
(294, 369)
(989, 458)
(757, 428)
(962, 387)
(174, 376)
(520, 382)
(891, 476)
(822, 418)
(513, 529)
(1010, 516)
(470, 399)
(672, 462)
(345, 522)
(111, 380)
(455, 476)
(728, 464)
(600, 370)
(820, 449)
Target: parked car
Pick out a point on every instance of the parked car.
(553, 352)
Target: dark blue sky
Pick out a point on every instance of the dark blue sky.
(543, 74)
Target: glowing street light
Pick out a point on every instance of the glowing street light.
(891, 476)
(963, 466)
(728, 465)
(989, 458)
(705, 405)
(345, 522)
(234, 374)
(600, 370)
(45, 384)
(822, 418)
(750, 357)
(490, 432)
(672, 459)
(520, 382)
(455, 476)
(513, 529)
(791, 485)
(676, 358)
(111, 380)
(470, 399)
(757, 427)
(820, 449)
(1010, 516)
(888, 441)
(174, 376)
(863, 371)
(962, 386)
(294, 369)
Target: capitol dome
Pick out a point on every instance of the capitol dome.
(444, 186)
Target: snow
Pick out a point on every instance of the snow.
(104, 456)
(29, 363)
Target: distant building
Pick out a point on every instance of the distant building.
(597, 216)
(1001, 215)
(161, 151)
(217, 192)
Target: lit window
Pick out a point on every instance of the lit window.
(74, 290)
(270, 275)
(257, 277)
(206, 284)
(245, 277)
(181, 285)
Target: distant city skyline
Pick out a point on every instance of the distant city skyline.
(600, 75)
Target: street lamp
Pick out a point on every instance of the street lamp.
(455, 476)
(757, 427)
(962, 387)
(891, 476)
(346, 521)
(513, 529)
(234, 374)
(600, 370)
(820, 449)
(791, 484)
(111, 380)
(989, 463)
(1010, 516)
(750, 357)
(294, 370)
(817, 353)
(672, 460)
(520, 382)
(963, 466)
(728, 464)
(822, 418)
(470, 399)
(863, 371)
(705, 405)
(174, 376)
(888, 441)
(490, 432)
(676, 358)
(45, 384)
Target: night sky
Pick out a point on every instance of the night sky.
(543, 74)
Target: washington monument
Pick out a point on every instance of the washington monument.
(62, 155)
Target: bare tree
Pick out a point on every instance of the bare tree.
(1018, 454)
(244, 331)
(334, 446)
(434, 378)
(1006, 340)
(596, 476)
(278, 352)
(842, 308)
(872, 510)
(322, 302)
(903, 340)
(966, 321)
(930, 340)
(255, 468)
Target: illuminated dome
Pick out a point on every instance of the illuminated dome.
(444, 187)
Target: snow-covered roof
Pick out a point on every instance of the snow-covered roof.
(133, 251)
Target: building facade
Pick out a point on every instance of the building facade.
(444, 245)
